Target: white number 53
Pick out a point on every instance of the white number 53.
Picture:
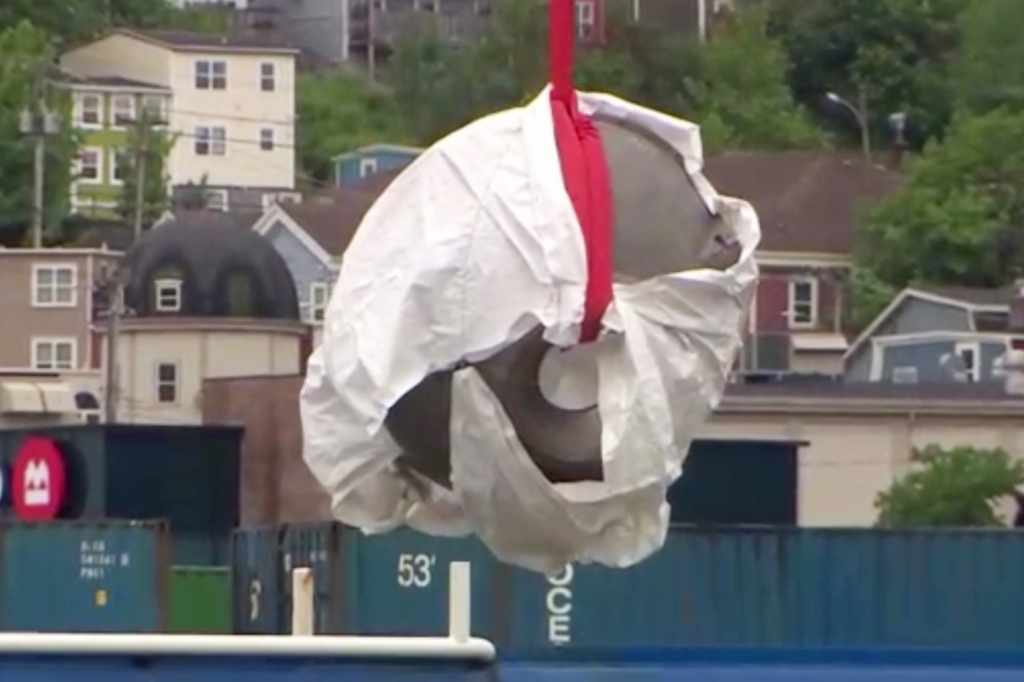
(414, 570)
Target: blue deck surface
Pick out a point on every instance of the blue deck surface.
(676, 665)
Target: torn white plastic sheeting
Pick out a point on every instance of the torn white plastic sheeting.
(467, 250)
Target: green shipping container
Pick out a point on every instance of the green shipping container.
(200, 600)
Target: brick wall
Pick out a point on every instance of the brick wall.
(276, 486)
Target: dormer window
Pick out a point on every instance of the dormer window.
(168, 295)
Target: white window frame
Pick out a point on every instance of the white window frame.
(210, 141)
(155, 107)
(174, 384)
(268, 76)
(586, 13)
(55, 269)
(267, 139)
(368, 166)
(80, 166)
(205, 74)
(791, 314)
(973, 373)
(167, 295)
(127, 112)
(221, 204)
(81, 110)
(53, 343)
(319, 297)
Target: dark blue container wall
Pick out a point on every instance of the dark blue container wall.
(397, 583)
(316, 546)
(107, 577)
(765, 587)
(256, 577)
(596, 606)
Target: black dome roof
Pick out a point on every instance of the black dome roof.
(224, 270)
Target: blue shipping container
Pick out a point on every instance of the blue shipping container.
(256, 570)
(69, 577)
(315, 546)
(397, 583)
(785, 587)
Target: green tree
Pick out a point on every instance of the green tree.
(897, 51)
(148, 142)
(988, 70)
(25, 71)
(956, 487)
(339, 111)
(960, 219)
(742, 99)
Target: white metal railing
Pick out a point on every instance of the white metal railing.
(457, 645)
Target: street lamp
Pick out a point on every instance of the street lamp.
(860, 113)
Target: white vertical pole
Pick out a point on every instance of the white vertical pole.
(459, 605)
(302, 601)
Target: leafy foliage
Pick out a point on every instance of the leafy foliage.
(339, 111)
(988, 71)
(148, 139)
(961, 218)
(898, 51)
(955, 487)
(24, 72)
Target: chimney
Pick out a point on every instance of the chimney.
(1017, 307)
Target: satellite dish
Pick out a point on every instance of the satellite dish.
(954, 365)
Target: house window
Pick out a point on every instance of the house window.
(803, 302)
(49, 354)
(90, 110)
(168, 295)
(969, 354)
(90, 165)
(211, 75)
(367, 166)
(210, 141)
(267, 77)
(319, 295)
(267, 139)
(167, 383)
(53, 286)
(153, 107)
(216, 200)
(585, 18)
(123, 110)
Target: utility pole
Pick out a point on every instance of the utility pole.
(115, 311)
(141, 152)
(38, 122)
(371, 41)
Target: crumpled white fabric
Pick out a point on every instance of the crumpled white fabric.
(471, 247)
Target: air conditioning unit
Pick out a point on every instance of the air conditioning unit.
(904, 375)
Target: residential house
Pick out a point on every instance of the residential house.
(854, 442)
(205, 300)
(351, 167)
(938, 334)
(47, 307)
(340, 31)
(808, 204)
(107, 114)
(231, 107)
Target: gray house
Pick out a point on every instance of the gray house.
(945, 334)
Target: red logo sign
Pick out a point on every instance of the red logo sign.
(38, 480)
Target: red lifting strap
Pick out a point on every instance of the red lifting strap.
(584, 168)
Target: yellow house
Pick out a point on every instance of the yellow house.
(230, 106)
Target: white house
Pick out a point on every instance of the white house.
(231, 113)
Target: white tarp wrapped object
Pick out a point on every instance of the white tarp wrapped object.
(470, 248)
